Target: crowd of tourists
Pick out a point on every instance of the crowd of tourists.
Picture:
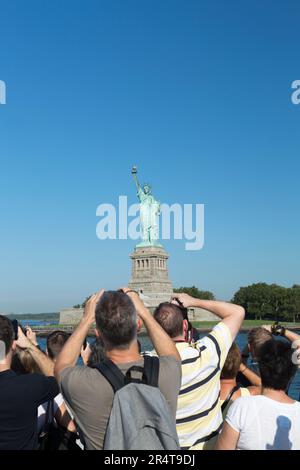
(190, 392)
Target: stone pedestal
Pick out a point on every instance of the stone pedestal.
(70, 316)
(149, 275)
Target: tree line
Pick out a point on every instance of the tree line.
(261, 300)
(270, 301)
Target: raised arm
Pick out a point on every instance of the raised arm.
(253, 378)
(162, 343)
(231, 315)
(292, 336)
(281, 331)
(135, 178)
(72, 348)
(43, 361)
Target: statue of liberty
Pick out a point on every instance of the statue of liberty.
(149, 212)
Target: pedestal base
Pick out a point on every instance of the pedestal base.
(150, 275)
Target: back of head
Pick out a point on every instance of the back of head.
(55, 342)
(232, 363)
(97, 352)
(275, 364)
(116, 320)
(6, 334)
(170, 318)
(256, 338)
(23, 362)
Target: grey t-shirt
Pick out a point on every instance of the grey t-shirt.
(90, 397)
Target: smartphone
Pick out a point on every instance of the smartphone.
(16, 325)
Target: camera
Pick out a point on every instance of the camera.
(16, 325)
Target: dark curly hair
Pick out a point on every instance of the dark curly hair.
(275, 364)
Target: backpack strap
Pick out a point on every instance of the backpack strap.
(151, 370)
(117, 379)
(129, 379)
(230, 395)
(112, 374)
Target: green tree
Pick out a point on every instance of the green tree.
(195, 292)
(83, 304)
(255, 299)
(291, 306)
(296, 297)
(278, 300)
(263, 300)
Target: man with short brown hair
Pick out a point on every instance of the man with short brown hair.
(118, 315)
(199, 416)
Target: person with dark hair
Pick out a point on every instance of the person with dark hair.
(170, 318)
(118, 316)
(97, 353)
(24, 363)
(59, 413)
(270, 421)
(279, 330)
(93, 353)
(199, 417)
(192, 334)
(256, 338)
(230, 388)
(55, 343)
(21, 395)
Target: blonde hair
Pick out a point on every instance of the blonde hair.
(23, 362)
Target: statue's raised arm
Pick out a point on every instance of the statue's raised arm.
(138, 186)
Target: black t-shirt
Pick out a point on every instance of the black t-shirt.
(20, 396)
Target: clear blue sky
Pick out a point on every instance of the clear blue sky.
(197, 94)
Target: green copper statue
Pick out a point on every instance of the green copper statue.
(149, 212)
